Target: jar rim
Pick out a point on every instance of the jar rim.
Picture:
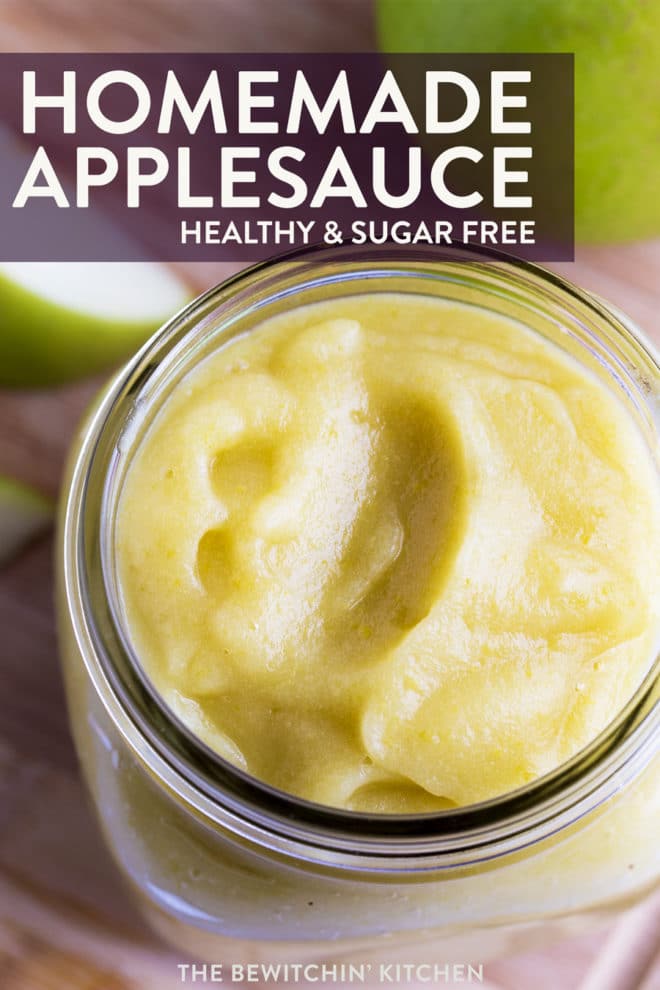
(221, 792)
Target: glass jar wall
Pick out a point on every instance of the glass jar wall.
(227, 867)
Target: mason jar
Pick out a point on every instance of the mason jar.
(227, 867)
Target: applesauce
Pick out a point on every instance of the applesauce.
(380, 554)
(226, 834)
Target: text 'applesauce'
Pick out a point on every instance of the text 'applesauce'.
(392, 554)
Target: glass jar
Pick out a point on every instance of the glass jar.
(225, 866)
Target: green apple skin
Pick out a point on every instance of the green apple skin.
(24, 514)
(617, 88)
(43, 343)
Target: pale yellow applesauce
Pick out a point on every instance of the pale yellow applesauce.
(392, 553)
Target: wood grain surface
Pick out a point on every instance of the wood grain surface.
(65, 920)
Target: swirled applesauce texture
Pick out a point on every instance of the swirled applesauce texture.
(392, 553)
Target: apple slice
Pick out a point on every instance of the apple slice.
(24, 513)
(64, 320)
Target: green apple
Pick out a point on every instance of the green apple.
(617, 88)
(24, 514)
(64, 320)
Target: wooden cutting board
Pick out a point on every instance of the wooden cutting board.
(65, 920)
